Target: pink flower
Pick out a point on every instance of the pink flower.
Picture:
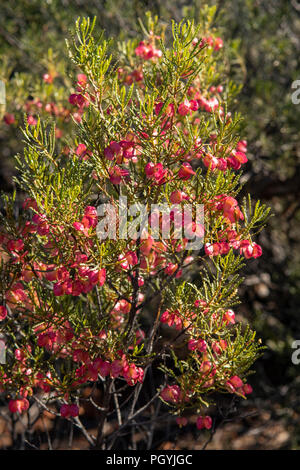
(31, 120)
(81, 81)
(242, 146)
(43, 381)
(77, 100)
(80, 356)
(94, 276)
(222, 164)
(171, 393)
(208, 105)
(47, 78)
(219, 346)
(204, 422)
(229, 317)
(181, 421)
(169, 110)
(47, 340)
(214, 249)
(185, 171)
(19, 355)
(82, 152)
(218, 44)
(18, 406)
(15, 245)
(156, 172)
(234, 384)
(171, 269)
(247, 389)
(122, 306)
(103, 367)
(208, 369)
(58, 289)
(3, 312)
(112, 150)
(236, 159)
(229, 206)
(117, 367)
(68, 411)
(171, 319)
(80, 227)
(9, 119)
(147, 51)
(250, 250)
(198, 344)
(146, 246)
(117, 174)
(187, 107)
(133, 374)
(212, 162)
(184, 108)
(101, 277)
(178, 196)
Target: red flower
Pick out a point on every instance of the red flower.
(147, 51)
(68, 411)
(171, 393)
(198, 344)
(156, 172)
(204, 422)
(185, 172)
(3, 312)
(247, 389)
(229, 317)
(234, 384)
(117, 174)
(18, 406)
(9, 119)
(181, 421)
(218, 44)
(187, 107)
(15, 245)
(82, 152)
(31, 120)
(47, 78)
(250, 250)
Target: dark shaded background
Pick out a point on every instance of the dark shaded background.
(263, 48)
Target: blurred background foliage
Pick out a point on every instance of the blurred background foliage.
(262, 55)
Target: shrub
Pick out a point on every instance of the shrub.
(84, 313)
